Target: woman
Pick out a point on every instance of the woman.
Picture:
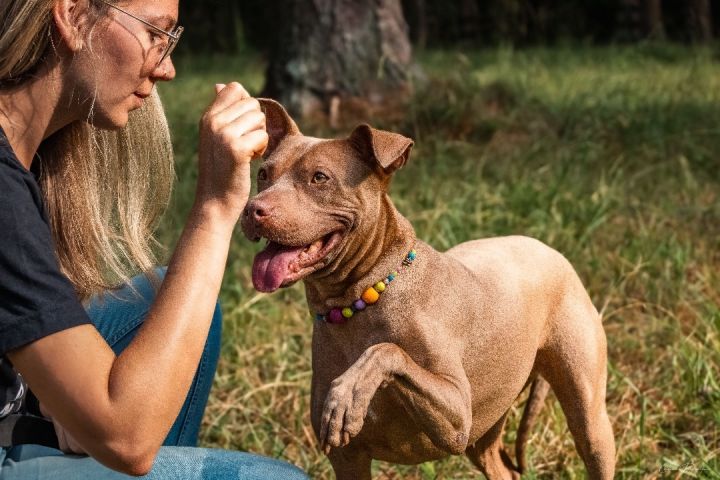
(85, 169)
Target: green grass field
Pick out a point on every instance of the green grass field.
(608, 155)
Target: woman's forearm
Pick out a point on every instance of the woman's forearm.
(159, 365)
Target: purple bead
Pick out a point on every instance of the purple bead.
(336, 316)
(359, 304)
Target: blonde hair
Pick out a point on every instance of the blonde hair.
(104, 190)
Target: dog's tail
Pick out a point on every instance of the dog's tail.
(535, 401)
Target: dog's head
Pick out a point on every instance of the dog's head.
(316, 197)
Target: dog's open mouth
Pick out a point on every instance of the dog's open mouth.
(280, 265)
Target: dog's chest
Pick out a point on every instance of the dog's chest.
(345, 344)
(390, 435)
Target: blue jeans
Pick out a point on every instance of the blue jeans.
(118, 318)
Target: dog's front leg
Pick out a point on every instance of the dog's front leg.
(439, 403)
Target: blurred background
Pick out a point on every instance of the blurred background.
(593, 126)
(434, 23)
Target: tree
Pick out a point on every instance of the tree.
(701, 20)
(415, 14)
(327, 51)
(655, 25)
(212, 26)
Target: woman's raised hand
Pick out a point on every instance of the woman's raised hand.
(232, 132)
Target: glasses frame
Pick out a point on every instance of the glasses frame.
(173, 35)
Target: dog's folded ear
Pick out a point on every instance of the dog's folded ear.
(390, 151)
(278, 123)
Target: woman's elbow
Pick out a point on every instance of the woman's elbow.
(137, 467)
(130, 458)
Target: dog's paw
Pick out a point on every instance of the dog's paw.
(344, 412)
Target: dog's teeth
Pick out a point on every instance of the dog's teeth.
(314, 247)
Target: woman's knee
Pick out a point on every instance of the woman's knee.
(119, 314)
(211, 464)
(215, 332)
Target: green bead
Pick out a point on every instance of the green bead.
(380, 286)
(347, 312)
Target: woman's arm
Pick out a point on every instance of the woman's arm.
(119, 409)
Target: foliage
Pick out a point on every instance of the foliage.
(608, 155)
(219, 26)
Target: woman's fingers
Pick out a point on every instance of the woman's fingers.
(232, 132)
(226, 96)
(256, 143)
(66, 442)
(73, 446)
(246, 123)
(234, 112)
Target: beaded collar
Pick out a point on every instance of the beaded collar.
(369, 296)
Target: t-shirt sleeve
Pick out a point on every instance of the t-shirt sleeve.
(36, 299)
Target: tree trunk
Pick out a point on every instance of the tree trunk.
(415, 15)
(213, 26)
(631, 20)
(701, 21)
(656, 29)
(330, 50)
(470, 18)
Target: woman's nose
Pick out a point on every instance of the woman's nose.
(165, 71)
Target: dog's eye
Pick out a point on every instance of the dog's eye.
(262, 174)
(320, 177)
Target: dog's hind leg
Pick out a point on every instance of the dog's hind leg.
(574, 362)
(350, 464)
(489, 454)
(536, 399)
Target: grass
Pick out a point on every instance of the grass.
(609, 155)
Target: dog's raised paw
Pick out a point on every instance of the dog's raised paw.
(344, 412)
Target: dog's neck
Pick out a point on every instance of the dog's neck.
(369, 257)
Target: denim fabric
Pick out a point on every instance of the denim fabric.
(33, 462)
(118, 316)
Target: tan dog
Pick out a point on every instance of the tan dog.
(433, 366)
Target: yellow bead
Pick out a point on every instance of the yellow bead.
(370, 296)
(380, 287)
(347, 312)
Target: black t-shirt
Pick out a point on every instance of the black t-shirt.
(36, 299)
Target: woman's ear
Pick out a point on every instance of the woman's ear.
(71, 22)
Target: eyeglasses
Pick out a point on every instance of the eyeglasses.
(173, 35)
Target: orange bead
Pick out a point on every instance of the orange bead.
(370, 296)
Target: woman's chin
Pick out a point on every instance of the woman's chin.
(117, 121)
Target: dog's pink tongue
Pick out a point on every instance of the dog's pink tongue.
(272, 265)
